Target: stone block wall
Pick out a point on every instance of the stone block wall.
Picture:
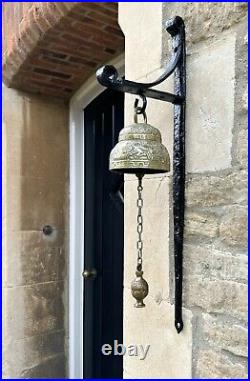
(214, 341)
(215, 252)
(35, 181)
(49, 50)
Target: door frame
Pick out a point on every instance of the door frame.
(74, 321)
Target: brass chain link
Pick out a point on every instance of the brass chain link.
(139, 244)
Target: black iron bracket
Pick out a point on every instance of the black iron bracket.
(108, 76)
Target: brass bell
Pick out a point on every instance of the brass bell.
(139, 151)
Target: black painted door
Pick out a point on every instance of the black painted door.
(103, 238)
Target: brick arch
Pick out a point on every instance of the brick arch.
(51, 48)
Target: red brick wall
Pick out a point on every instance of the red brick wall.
(13, 14)
(52, 48)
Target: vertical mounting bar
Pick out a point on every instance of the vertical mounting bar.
(179, 169)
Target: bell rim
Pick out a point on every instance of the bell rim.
(141, 167)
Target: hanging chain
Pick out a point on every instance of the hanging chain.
(139, 244)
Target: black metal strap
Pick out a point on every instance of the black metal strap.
(108, 76)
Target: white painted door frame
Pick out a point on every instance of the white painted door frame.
(88, 92)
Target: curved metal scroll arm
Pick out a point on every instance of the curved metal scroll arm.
(108, 76)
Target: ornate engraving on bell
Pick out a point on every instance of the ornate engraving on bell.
(139, 289)
(139, 150)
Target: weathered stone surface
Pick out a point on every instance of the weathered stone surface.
(245, 39)
(212, 364)
(208, 263)
(54, 367)
(233, 228)
(241, 88)
(225, 335)
(242, 148)
(35, 133)
(201, 225)
(211, 190)
(29, 352)
(219, 296)
(245, 100)
(143, 54)
(209, 140)
(39, 306)
(213, 17)
(48, 195)
(40, 158)
(35, 258)
(169, 355)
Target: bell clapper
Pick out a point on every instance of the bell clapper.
(139, 286)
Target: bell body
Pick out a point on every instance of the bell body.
(139, 289)
(139, 150)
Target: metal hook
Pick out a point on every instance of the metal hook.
(144, 117)
(142, 109)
